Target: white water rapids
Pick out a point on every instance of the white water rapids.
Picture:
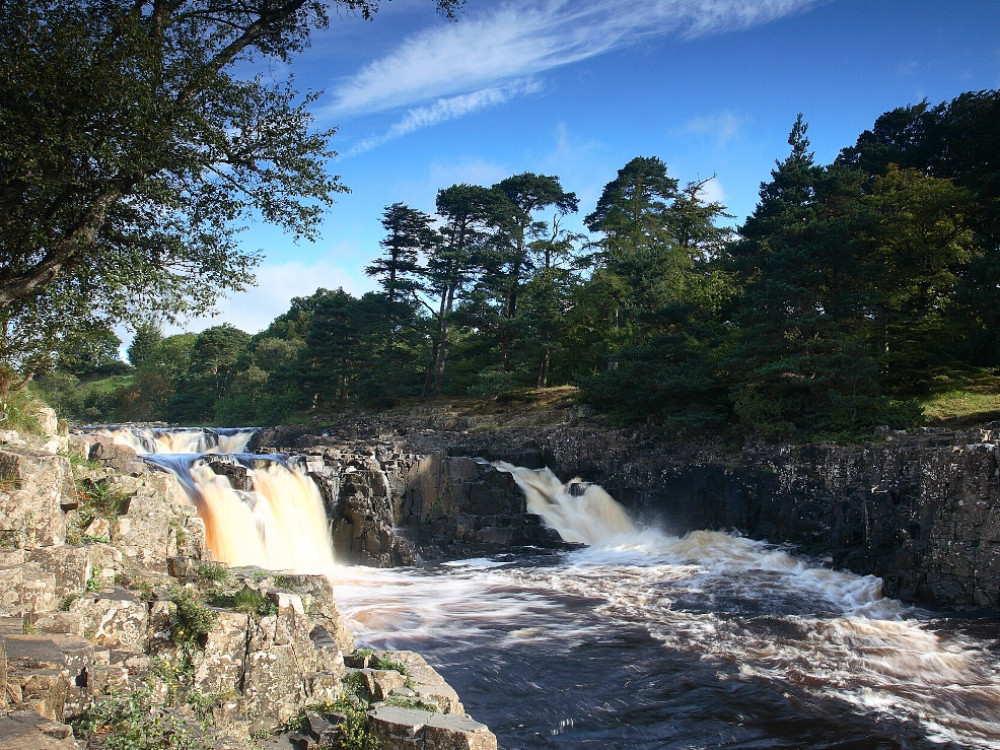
(647, 640)
(751, 646)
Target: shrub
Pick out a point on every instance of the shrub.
(135, 721)
(192, 620)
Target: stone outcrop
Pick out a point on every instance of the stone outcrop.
(35, 488)
(107, 587)
(920, 510)
(458, 506)
(392, 498)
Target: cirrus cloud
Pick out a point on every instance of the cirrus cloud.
(483, 53)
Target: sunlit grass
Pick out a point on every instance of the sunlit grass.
(966, 399)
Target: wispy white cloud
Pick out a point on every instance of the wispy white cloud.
(253, 310)
(448, 108)
(722, 126)
(523, 38)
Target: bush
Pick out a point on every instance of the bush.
(192, 620)
(135, 721)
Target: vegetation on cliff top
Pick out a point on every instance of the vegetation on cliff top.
(858, 293)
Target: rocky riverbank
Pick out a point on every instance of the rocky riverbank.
(116, 623)
(107, 587)
(920, 510)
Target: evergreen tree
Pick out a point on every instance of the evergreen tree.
(801, 358)
(409, 233)
(451, 265)
(517, 200)
(661, 296)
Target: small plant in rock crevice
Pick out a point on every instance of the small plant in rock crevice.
(94, 580)
(97, 499)
(247, 600)
(176, 674)
(213, 572)
(192, 621)
(9, 480)
(389, 665)
(137, 720)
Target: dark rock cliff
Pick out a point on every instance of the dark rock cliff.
(920, 510)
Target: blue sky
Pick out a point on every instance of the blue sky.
(577, 88)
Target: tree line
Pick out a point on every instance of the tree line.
(852, 288)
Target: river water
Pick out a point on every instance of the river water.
(646, 640)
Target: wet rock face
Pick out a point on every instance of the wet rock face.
(455, 506)
(922, 510)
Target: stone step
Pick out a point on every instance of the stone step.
(398, 727)
(26, 589)
(28, 730)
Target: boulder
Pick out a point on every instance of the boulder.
(25, 590)
(114, 618)
(29, 730)
(397, 727)
(34, 488)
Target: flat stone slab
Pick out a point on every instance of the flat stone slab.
(48, 652)
(404, 727)
(27, 730)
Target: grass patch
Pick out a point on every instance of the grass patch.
(389, 665)
(213, 572)
(9, 479)
(247, 600)
(964, 400)
(18, 408)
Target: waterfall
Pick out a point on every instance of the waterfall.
(593, 517)
(180, 440)
(273, 519)
(279, 524)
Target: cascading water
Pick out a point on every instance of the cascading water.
(644, 640)
(180, 441)
(640, 640)
(277, 523)
(590, 517)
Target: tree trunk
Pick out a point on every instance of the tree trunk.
(429, 376)
(543, 368)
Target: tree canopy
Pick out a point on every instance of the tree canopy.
(853, 289)
(131, 152)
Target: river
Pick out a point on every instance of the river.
(646, 640)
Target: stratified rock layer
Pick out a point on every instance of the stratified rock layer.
(110, 589)
(920, 510)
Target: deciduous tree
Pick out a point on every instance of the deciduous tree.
(131, 150)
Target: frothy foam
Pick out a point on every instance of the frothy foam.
(146, 441)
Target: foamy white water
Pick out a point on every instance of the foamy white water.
(738, 616)
(278, 524)
(146, 440)
(641, 640)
